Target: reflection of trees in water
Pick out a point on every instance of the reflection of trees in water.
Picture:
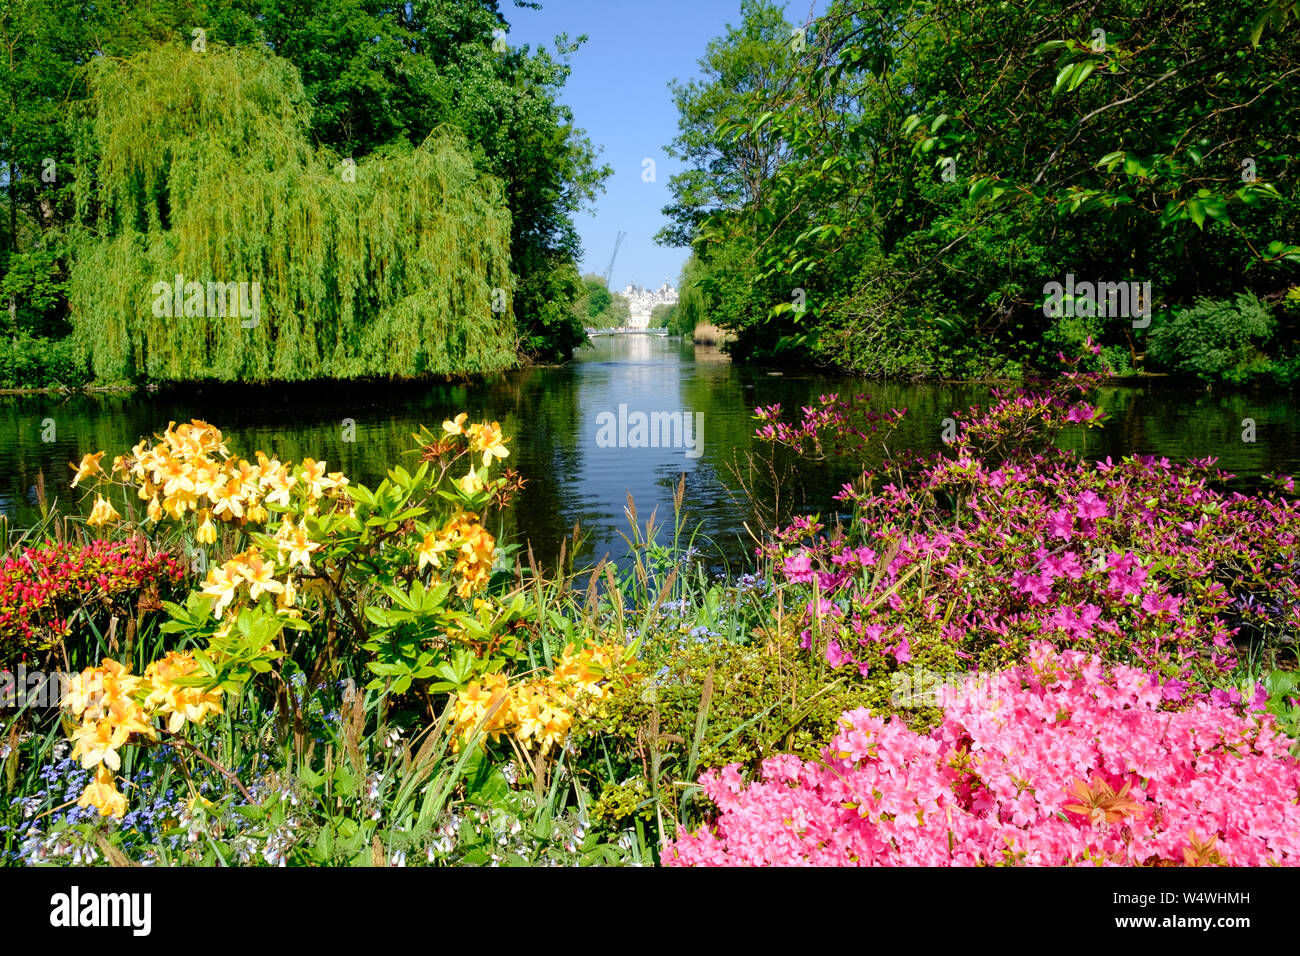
(1180, 424)
(549, 413)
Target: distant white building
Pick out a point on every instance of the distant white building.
(642, 301)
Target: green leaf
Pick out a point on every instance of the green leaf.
(1063, 77)
(1082, 74)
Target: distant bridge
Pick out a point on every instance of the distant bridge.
(627, 331)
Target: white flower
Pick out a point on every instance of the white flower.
(84, 856)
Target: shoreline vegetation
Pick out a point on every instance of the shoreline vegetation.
(260, 662)
(194, 387)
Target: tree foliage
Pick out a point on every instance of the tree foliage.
(200, 164)
(939, 162)
(599, 307)
(375, 77)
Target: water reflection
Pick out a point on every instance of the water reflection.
(555, 415)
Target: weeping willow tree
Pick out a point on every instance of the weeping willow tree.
(221, 245)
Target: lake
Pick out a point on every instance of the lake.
(565, 424)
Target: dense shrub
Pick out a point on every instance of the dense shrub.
(1060, 762)
(42, 588)
(1006, 539)
(27, 362)
(1218, 340)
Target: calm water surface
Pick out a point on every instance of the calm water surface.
(554, 416)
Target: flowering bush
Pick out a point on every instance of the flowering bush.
(1062, 761)
(397, 567)
(114, 706)
(976, 554)
(42, 587)
(399, 576)
(539, 712)
(332, 544)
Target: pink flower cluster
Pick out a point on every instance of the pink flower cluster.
(41, 586)
(1062, 761)
(1007, 540)
(833, 426)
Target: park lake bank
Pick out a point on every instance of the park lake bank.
(574, 475)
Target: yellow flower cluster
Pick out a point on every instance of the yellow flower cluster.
(190, 469)
(472, 545)
(113, 704)
(540, 712)
(251, 569)
(484, 439)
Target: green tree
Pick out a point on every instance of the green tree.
(398, 266)
(933, 176)
(740, 71)
(600, 308)
(377, 72)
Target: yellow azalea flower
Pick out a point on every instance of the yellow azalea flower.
(91, 693)
(97, 741)
(430, 548)
(225, 496)
(297, 542)
(280, 482)
(103, 795)
(488, 440)
(207, 532)
(477, 549)
(455, 427)
(155, 510)
(182, 501)
(246, 475)
(102, 513)
(221, 583)
(118, 681)
(194, 438)
(473, 704)
(139, 463)
(259, 573)
(557, 728)
(313, 476)
(176, 475)
(89, 466)
(532, 714)
(179, 703)
(288, 597)
(126, 714)
(83, 694)
(206, 474)
(471, 484)
(209, 437)
(257, 514)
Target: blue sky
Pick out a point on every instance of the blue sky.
(618, 92)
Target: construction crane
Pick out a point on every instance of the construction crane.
(609, 272)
